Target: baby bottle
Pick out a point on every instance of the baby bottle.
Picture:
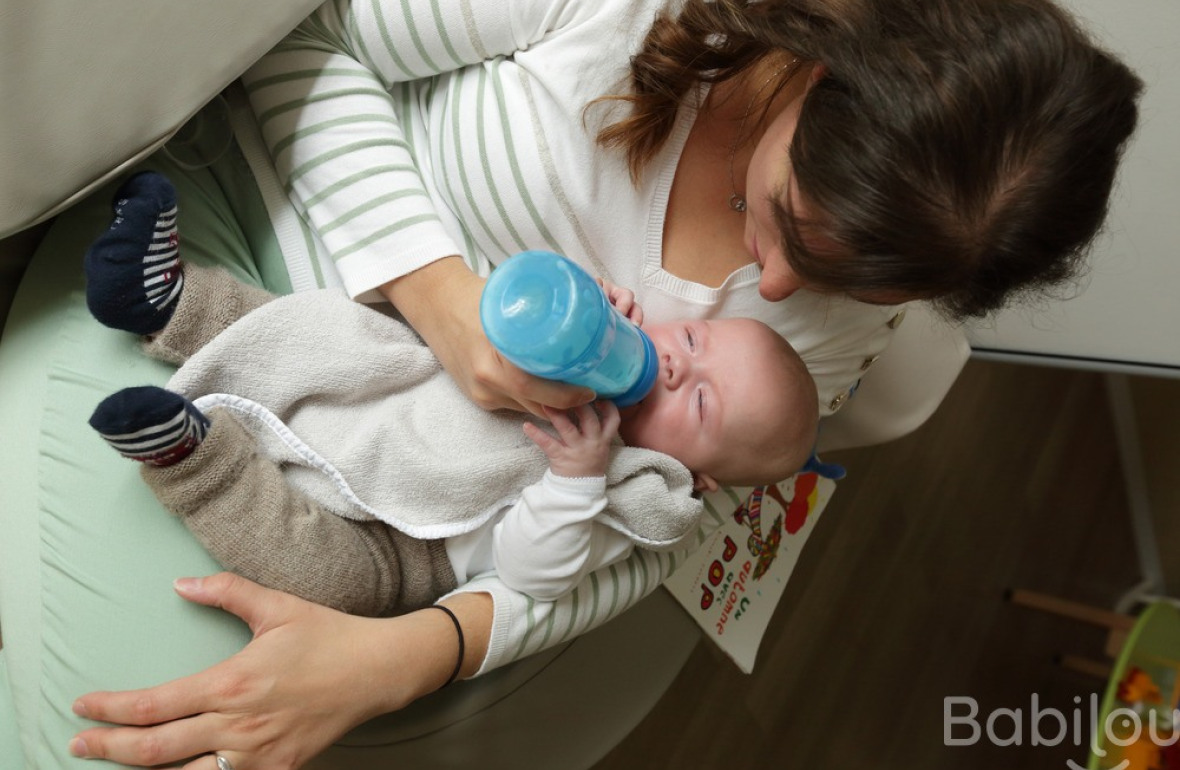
(550, 318)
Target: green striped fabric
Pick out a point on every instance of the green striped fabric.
(405, 132)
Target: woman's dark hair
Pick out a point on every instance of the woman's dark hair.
(957, 150)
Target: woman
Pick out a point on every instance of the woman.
(804, 162)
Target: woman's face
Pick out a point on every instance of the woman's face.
(768, 178)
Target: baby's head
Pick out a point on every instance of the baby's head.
(733, 402)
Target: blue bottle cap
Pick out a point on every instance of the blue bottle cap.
(543, 313)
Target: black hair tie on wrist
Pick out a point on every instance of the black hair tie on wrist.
(458, 630)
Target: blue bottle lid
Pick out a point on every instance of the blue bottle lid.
(543, 312)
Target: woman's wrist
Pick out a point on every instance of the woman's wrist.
(418, 652)
(441, 302)
(474, 612)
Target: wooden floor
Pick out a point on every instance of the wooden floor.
(898, 600)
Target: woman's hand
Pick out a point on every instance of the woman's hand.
(441, 301)
(309, 675)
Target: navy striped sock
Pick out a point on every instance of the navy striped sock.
(133, 271)
(150, 424)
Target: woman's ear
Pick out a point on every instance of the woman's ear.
(818, 72)
(703, 482)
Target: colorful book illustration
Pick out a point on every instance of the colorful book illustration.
(733, 582)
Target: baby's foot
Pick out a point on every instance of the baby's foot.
(133, 273)
(150, 424)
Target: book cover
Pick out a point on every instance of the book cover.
(733, 582)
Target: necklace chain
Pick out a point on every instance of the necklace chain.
(737, 201)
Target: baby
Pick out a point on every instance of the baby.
(348, 468)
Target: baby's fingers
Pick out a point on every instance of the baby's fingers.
(625, 303)
(588, 421)
(623, 300)
(608, 413)
(546, 442)
(560, 420)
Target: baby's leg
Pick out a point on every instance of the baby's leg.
(240, 507)
(212, 300)
(135, 280)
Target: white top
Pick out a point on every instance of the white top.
(408, 131)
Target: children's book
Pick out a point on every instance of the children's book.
(733, 582)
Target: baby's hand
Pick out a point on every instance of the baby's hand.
(581, 448)
(623, 300)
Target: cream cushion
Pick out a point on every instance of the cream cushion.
(90, 88)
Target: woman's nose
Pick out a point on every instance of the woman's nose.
(778, 285)
(778, 280)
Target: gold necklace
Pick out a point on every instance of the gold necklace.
(737, 201)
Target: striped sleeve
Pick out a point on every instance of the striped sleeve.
(336, 121)
(523, 626)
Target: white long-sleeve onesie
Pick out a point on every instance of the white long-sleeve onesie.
(545, 544)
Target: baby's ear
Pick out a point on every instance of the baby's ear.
(703, 482)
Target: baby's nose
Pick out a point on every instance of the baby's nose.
(673, 371)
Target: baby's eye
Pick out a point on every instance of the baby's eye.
(701, 404)
(692, 343)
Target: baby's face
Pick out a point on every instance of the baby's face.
(718, 397)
